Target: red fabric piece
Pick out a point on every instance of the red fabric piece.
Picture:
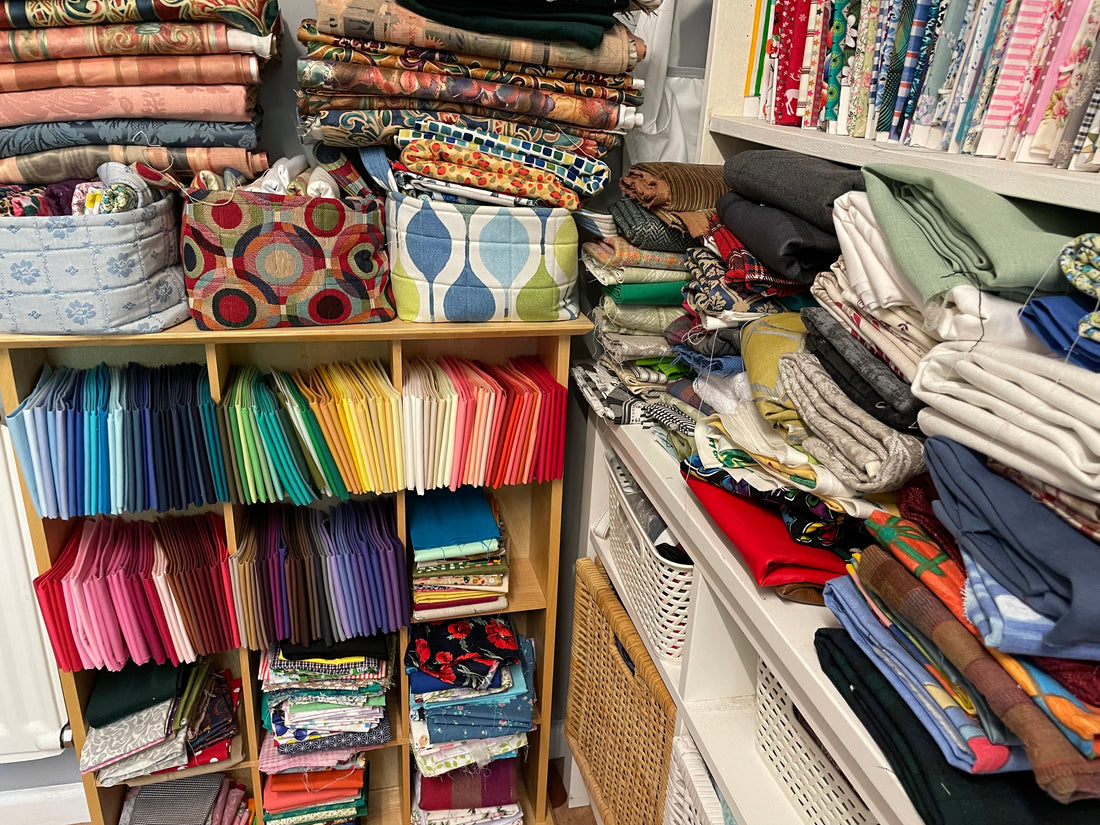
(762, 540)
(915, 504)
(476, 788)
(1082, 679)
(791, 20)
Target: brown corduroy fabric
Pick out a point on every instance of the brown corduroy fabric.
(674, 187)
(1060, 769)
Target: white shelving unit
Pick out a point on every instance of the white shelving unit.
(734, 624)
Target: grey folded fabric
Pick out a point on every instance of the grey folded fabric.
(861, 451)
(784, 242)
(645, 230)
(865, 379)
(800, 184)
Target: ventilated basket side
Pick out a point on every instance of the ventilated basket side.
(619, 721)
(690, 799)
(660, 590)
(808, 777)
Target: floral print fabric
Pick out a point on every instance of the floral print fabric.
(466, 652)
(40, 137)
(470, 167)
(147, 70)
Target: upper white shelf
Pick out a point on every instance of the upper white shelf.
(1016, 180)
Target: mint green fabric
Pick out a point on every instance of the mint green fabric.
(666, 294)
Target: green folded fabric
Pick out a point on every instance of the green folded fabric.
(945, 232)
(667, 294)
(132, 689)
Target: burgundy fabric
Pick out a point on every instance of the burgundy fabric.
(1082, 679)
(759, 535)
(915, 503)
(464, 788)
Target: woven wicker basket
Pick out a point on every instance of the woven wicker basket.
(808, 777)
(690, 799)
(620, 718)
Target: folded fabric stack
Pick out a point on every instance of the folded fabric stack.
(323, 706)
(171, 85)
(212, 799)
(472, 694)
(155, 719)
(377, 70)
(321, 576)
(460, 553)
(331, 797)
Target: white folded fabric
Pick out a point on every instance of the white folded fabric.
(1034, 413)
(873, 275)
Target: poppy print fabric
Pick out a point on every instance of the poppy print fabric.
(463, 652)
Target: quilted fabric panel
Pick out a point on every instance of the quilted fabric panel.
(256, 261)
(92, 274)
(475, 263)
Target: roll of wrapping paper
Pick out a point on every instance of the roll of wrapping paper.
(150, 70)
(354, 79)
(82, 161)
(235, 104)
(384, 20)
(253, 16)
(350, 48)
(435, 63)
(28, 45)
(358, 127)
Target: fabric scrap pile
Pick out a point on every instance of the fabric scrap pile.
(172, 85)
(147, 721)
(460, 553)
(380, 72)
(472, 695)
(212, 799)
(323, 707)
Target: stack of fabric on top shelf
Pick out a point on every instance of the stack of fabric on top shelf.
(460, 553)
(173, 86)
(472, 695)
(376, 68)
(323, 706)
(212, 798)
(156, 719)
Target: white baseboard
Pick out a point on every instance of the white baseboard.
(51, 805)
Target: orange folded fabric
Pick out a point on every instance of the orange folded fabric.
(315, 781)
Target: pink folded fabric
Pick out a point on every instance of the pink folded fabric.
(234, 104)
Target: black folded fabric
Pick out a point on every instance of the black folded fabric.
(942, 795)
(717, 343)
(533, 21)
(800, 184)
(645, 230)
(375, 647)
(864, 378)
(784, 242)
(132, 689)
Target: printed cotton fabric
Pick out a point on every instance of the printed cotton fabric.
(82, 162)
(464, 652)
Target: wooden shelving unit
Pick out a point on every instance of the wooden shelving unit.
(532, 512)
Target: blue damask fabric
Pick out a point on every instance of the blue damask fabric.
(40, 137)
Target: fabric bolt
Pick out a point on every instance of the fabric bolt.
(785, 243)
(659, 294)
(83, 161)
(355, 79)
(863, 55)
(916, 503)
(645, 230)
(673, 187)
(650, 320)
(957, 731)
(1059, 768)
(865, 379)
(384, 20)
(41, 137)
(174, 102)
(583, 27)
(1025, 546)
(789, 43)
(621, 347)
(763, 342)
(148, 70)
(470, 167)
(1079, 513)
(800, 184)
(615, 253)
(1059, 321)
(942, 794)
(862, 452)
(1030, 412)
(931, 223)
(253, 16)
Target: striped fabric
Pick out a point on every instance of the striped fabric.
(1025, 37)
(921, 15)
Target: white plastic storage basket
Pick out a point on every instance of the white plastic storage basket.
(690, 798)
(660, 590)
(805, 772)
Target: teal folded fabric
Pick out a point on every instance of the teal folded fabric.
(667, 294)
(945, 232)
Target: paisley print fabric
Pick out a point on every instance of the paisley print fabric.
(356, 79)
(253, 16)
(82, 161)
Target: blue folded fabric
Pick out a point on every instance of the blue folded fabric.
(1009, 625)
(441, 518)
(41, 137)
(960, 735)
(1030, 550)
(706, 364)
(421, 682)
(1055, 319)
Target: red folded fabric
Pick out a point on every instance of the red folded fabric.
(474, 788)
(759, 536)
(286, 792)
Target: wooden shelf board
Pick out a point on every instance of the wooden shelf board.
(782, 632)
(524, 592)
(384, 806)
(397, 330)
(1016, 180)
